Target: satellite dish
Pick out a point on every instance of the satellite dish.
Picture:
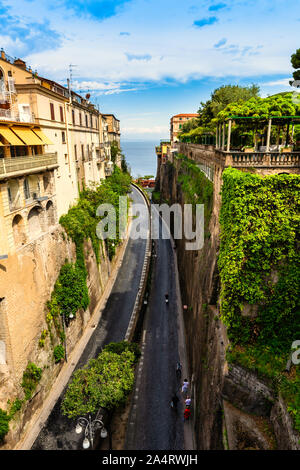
(87, 96)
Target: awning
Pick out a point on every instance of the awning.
(29, 137)
(10, 136)
(42, 136)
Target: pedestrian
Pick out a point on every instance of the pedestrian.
(174, 401)
(185, 387)
(186, 414)
(178, 370)
(188, 402)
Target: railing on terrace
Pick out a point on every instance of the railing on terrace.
(9, 166)
(263, 158)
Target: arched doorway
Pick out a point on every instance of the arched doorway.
(34, 222)
(50, 214)
(18, 227)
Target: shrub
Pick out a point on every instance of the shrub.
(58, 353)
(31, 377)
(4, 424)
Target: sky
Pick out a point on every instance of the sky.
(146, 60)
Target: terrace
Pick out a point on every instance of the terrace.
(18, 166)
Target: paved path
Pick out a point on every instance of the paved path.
(153, 424)
(58, 431)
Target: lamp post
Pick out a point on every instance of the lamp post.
(90, 426)
(63, 322)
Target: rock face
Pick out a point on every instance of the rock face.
(26, 285)
(233, 408)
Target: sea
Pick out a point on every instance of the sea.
(140, 157)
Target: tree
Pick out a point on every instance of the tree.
(222, 97)
(295, 61)
(104, 383)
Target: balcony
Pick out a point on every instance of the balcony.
(25, 165)
(9, 115)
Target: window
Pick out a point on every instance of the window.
(86, 121)
(66, 158)
(63, 137)
(91, 120)
(82, 152)
(61, 113)
(52, 112)
(73, 117)
(26, 189)
(75, 152)
(88, 151)
(80, 119)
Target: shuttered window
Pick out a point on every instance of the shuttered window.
(52, 111)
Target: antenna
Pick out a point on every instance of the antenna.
(71, 77)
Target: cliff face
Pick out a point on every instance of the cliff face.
(233, 407)
(27, 283)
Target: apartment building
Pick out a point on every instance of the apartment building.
(177, 122)
(52, 141)
(113, 128)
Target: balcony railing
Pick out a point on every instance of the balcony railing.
(9, 115)
(18, 165)
(263, 158)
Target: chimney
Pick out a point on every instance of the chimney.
(20, 63)
(2, 54)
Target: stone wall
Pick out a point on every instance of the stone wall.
(27, 280)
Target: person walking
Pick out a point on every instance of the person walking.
(186, 414)
(188, 402)
(185, 387)
(178, 370)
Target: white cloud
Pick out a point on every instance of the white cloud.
(281, 82)
(168, 49)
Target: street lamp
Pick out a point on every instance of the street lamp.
(63, 323)
(90, 428)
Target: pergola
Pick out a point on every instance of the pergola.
(272, 120)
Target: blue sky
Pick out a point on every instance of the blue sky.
(145, 60)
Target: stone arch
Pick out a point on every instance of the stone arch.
(13, 194)
(19, 232)
(34, 222)
(50, 213)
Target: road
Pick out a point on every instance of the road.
(153, 424)
(59, 431)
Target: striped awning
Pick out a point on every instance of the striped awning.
(42, 136)
(26, 134)
(8, 135)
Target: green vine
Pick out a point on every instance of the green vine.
(260, 273)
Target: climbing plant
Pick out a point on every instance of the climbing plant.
(260, 270)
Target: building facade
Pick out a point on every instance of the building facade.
(177, 122)
(52, 142)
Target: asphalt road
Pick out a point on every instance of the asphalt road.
(58, 432)
(153, 424)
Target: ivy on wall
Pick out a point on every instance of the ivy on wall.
(260, 274)
(197, 188)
